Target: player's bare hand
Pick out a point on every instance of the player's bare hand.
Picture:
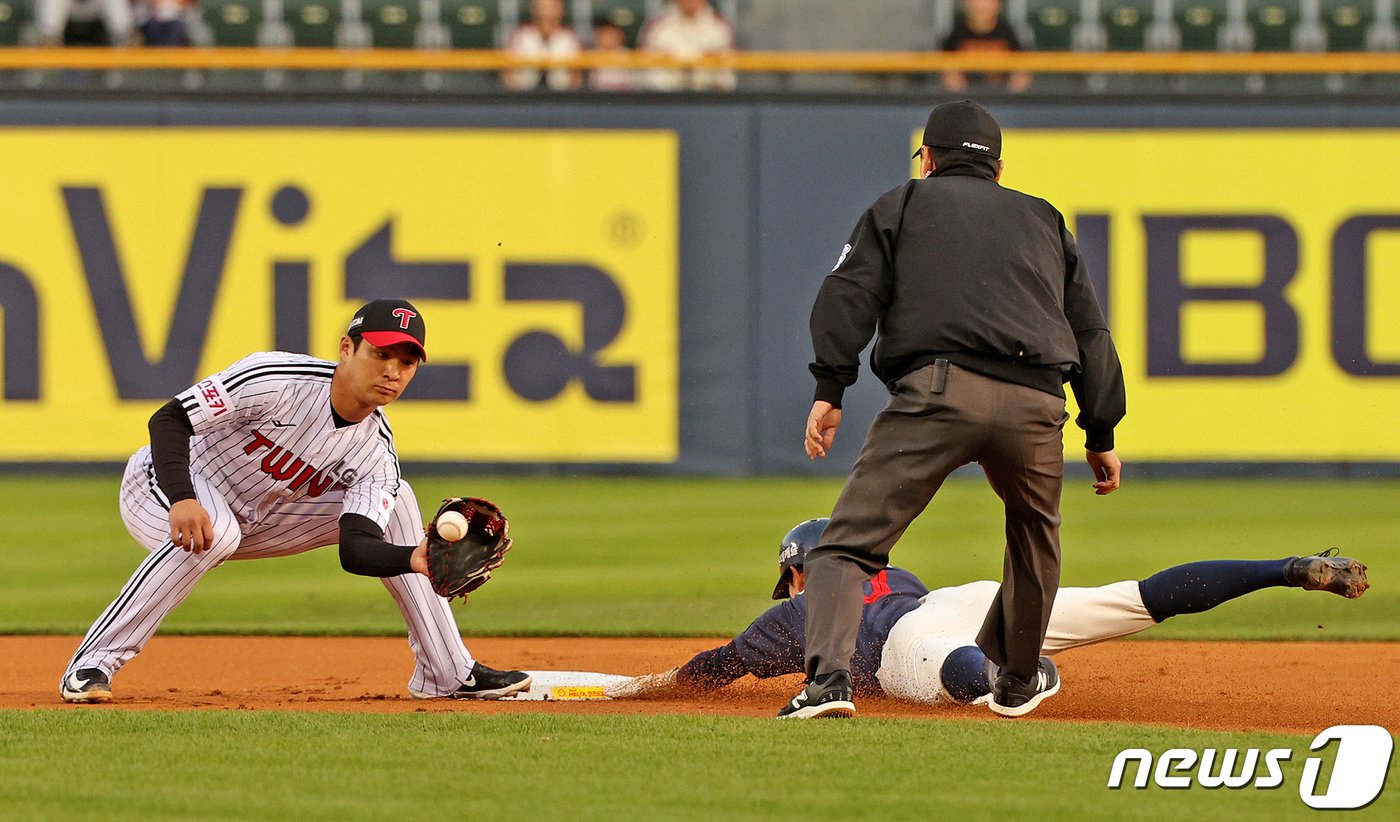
(190, 527)
(821, 428)
(1108, 470)
(418, 560)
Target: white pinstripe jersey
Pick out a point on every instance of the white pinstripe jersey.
(264, 437)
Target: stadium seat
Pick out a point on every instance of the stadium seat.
(232, 22)
(393, 24)
(313, 22)
(1347, 22)
(1273, 22)
(327, 24)
(1200, 22)
(471, 24)
(15, 18)
(1126, 22)
(1052, 23)
(628, 15)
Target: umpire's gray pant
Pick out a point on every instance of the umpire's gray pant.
(931, 427)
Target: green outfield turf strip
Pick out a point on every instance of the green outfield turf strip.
(675, 556)
(95, 764)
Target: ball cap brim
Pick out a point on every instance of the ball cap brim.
(386, 323)
(780, 591)
(385, 339)
(965, 126)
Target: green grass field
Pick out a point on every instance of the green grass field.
(698, 556)
(652, 556)
(284, 766)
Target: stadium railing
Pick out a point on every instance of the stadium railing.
(783, 62)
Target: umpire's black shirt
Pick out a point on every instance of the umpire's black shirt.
(959, 267)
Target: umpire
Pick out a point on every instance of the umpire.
(984, 311)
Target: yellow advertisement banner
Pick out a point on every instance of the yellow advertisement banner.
(133, 262)
(1253, 284)
(1252, 279)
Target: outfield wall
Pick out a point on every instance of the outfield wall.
(625, 284)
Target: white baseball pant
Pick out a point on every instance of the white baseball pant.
(168, 574)
(949, 618)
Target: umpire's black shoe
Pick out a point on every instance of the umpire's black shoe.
(485, 683)
(1013, 697)
(829, 695)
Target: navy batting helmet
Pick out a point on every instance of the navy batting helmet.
(793, 551)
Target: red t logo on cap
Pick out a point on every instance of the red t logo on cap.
(404, 316)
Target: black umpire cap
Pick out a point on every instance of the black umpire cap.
(390, 322)
(963, 125)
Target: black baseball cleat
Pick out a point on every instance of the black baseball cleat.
(86, 685)
(1013, 697)
(829, 695)
(484, 683)
(1325, 571)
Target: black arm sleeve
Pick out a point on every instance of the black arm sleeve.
(363, 550)
(170, 451)
(712, 669)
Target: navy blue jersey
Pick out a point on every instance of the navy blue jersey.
(772, 645)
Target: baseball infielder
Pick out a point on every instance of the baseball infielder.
(276, 455)
(920, 645)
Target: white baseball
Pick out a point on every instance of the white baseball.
(452, 526)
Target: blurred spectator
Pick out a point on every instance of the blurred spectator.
(981, 27)
(84, 22)
(162, 22)
(687, 29)
(544, 35)
(609, 38)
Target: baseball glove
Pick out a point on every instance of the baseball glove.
(458, 568)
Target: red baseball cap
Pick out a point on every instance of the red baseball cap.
(390, 322)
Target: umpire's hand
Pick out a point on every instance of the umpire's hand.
(821, 428)
(1108, 470)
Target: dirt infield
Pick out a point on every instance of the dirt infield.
(1288, 687)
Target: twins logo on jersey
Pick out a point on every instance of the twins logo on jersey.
(283, 464)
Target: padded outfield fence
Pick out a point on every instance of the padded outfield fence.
(637, 271)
